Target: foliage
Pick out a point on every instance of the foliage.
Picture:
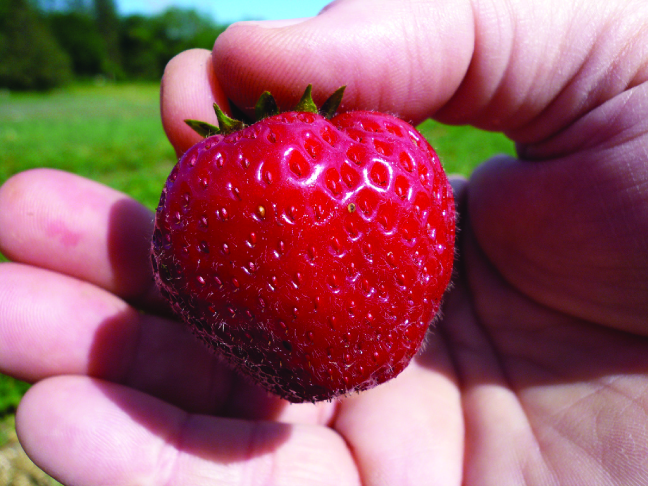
(108, 25)
(44, 42)
(148, 43)
(141, 47)
(79, 37)
(30, 57)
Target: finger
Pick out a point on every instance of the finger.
(53, 325)
(525, 81)
(498, 65)
(409, 431)
(372, 48)
(189, 88)
(101, 433)
(63, 222)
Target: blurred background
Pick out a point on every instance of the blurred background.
(49, 43)
(79, 83)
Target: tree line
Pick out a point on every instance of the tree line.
(49, 43)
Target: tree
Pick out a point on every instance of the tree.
(30, 57)
(108, 25)
(142, 48)
(77, 34)
(148, 43)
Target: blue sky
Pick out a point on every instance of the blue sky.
(227, 11)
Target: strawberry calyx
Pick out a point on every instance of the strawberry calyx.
(266, 107)
(226, 124)
(306, 103)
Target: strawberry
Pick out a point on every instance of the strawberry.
(310, 251)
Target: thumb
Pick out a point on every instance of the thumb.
(529, 69)
(374, 48)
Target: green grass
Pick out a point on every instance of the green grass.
(11, 391)
(112, 134)
(462, 148)
(109, 133)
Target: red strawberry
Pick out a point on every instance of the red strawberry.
(312, 253)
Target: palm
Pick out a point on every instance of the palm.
(543, 392)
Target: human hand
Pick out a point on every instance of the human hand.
(537, 371)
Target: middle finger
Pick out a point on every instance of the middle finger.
(52, 324)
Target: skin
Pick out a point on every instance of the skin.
(536, 372)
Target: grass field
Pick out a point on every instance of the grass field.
(113, 134)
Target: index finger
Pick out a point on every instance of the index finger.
(66, 223)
